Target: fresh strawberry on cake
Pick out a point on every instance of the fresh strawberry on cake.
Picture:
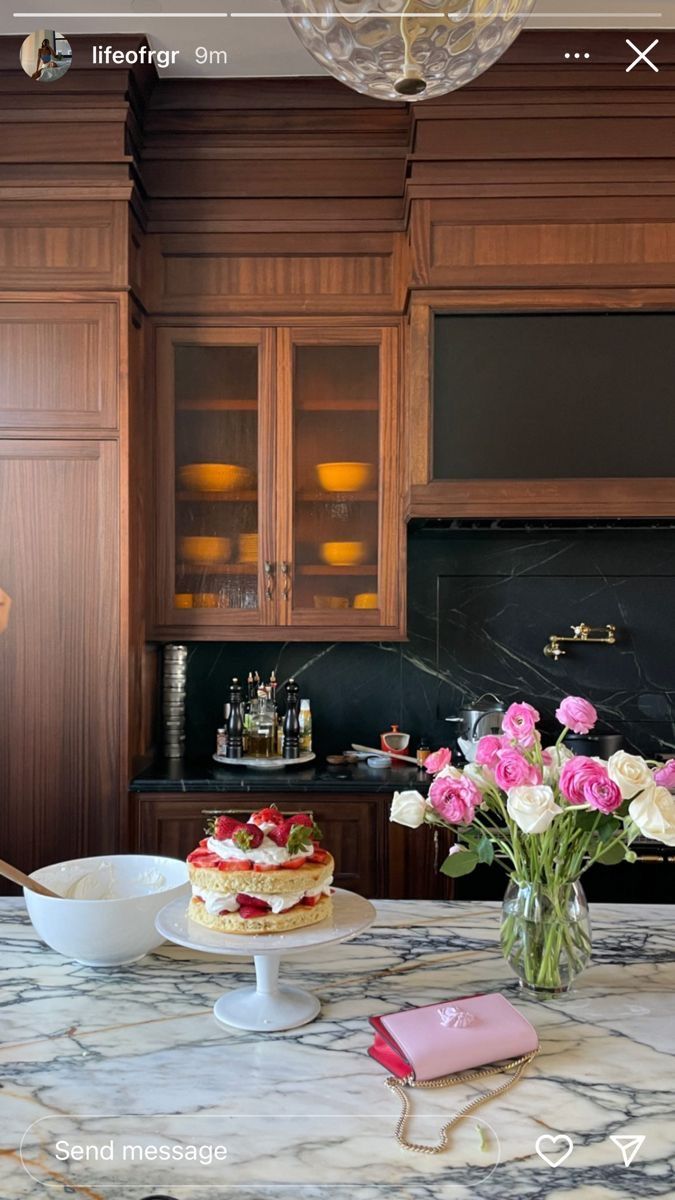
(265, 875)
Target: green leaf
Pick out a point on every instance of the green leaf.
(585, 819)
(614, 855)
(459, 864)
(608, 829)
(486, 851)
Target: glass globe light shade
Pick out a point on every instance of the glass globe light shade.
(407, 49)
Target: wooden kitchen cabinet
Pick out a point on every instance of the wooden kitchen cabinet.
(60, 667)
(59, 365)
(354, 828)
(278, 483)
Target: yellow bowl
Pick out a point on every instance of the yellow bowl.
(343, 554)
(183, 600)
(206, 600)
(214, 477)
(205, 551)
(331, 602)
(365, 600)
(344, 476)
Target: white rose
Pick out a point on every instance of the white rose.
(654, 814)
(479, 776)
(629, 772)
(408, 808)
(559, 756)
(449, 772)
(532, 808)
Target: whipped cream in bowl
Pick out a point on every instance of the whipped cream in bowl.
(105, 908)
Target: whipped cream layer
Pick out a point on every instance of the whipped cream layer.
(267, 853)
(226, 902)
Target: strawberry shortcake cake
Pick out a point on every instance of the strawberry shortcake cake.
(264, 875)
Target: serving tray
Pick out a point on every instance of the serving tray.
(264, 764)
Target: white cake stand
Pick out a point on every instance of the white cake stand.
(270, 1005)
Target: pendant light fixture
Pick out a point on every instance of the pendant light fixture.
(407, 49)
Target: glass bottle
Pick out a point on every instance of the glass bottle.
(305, 727)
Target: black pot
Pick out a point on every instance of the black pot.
(594, 745)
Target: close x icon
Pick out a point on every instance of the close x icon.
(642, 56)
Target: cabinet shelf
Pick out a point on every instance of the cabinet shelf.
(317, 497)
(217, 569)
(217, 406)
(247, 497)
(321, 405)
(322, 569)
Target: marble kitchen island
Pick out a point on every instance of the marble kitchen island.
(130, 1061)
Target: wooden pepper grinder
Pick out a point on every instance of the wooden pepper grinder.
(291, 742)
(235, 724)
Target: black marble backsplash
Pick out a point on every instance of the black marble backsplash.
(483, 599)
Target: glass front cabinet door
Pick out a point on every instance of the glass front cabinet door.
(279, 490)
(215, 478)
(341, 531)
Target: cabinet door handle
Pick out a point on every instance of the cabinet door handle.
(269, 575)
(286, 572)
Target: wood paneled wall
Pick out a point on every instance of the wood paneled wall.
(127, 201)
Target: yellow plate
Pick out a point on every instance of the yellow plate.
(206, 600)
(365, 600)
(331, 602)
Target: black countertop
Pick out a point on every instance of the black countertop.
(179, 775)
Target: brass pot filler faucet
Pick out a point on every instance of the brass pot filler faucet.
(606, 635)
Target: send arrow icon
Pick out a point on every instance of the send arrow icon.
(629, 1146)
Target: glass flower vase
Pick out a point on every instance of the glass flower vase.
(546, 935)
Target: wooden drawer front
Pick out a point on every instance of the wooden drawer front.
(352, 828)
(58, 366)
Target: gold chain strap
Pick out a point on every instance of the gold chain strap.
(517, 1065)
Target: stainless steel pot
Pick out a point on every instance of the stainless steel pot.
(479, 718)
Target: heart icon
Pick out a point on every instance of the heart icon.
(562, 1141)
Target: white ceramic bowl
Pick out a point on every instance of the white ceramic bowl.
(117, 929)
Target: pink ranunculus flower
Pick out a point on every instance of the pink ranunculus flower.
(577, 714)
(574, 775)
(582, 780)
(519, 724)
(603, 793)
(513, 770)
(438, 760)
(665, 776)
(488, 748)
(455, 800)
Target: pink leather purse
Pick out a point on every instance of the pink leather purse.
(432, 1047)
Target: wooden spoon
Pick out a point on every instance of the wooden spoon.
(18, 876)
(385, 754)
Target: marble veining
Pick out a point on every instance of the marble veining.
(134, 1056)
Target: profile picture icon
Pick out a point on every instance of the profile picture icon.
(45, 55)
